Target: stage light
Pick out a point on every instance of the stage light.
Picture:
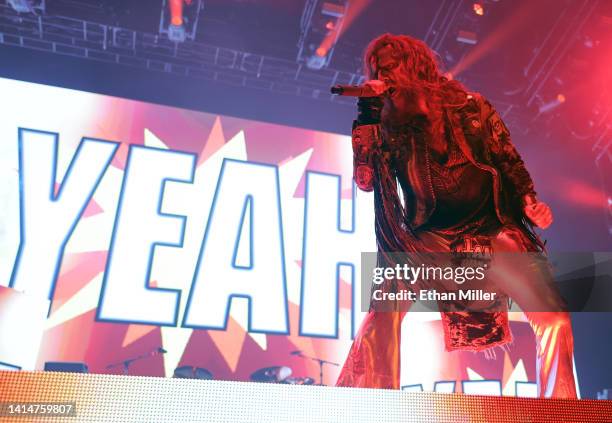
(316, 61)
(467, 37)
(176, 30)
(320, 26)
(478, 9)
(27, 6)
(21, 6)
(177, 33)
(179, 19)
(176, 12)
(553, 104)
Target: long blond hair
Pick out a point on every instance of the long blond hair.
(421, 72)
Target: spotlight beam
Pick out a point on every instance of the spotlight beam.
(521, 17)
(355, 9)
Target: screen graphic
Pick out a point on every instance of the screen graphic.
(138, 239)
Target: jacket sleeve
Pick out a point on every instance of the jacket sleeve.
(365, 138)
(505, 157)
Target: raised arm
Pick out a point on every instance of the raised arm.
(366, 136)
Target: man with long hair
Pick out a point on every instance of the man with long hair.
(465, 188)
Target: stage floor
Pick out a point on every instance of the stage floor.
(110, 398)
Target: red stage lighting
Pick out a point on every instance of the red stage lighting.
(176, 10)
(478, 9)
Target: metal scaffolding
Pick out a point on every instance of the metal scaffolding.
(93, 41)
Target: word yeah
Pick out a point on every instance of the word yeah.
(157, 214)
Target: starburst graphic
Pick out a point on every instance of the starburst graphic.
(72, 332)
(175, 269)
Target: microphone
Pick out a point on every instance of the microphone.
(372, 88)
(296, 352)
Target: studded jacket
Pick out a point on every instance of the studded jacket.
(482, 137)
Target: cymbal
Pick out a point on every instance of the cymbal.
(273, 374)
(299, 381)
(190, 372)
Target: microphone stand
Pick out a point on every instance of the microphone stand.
(126, 363)
(321, 363)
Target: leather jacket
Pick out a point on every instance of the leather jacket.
(482, 137)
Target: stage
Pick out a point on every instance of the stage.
(98, 398)
(202, 205)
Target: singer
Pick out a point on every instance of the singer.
(465, 188)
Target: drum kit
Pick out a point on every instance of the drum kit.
(191, 372)
(274, 374)
(279, 374)
(282, 374)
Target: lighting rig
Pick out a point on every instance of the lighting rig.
(179, 19)
(320, 28)
(27, 6)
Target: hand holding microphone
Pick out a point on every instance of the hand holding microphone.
(373, 88)
(370, 103)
